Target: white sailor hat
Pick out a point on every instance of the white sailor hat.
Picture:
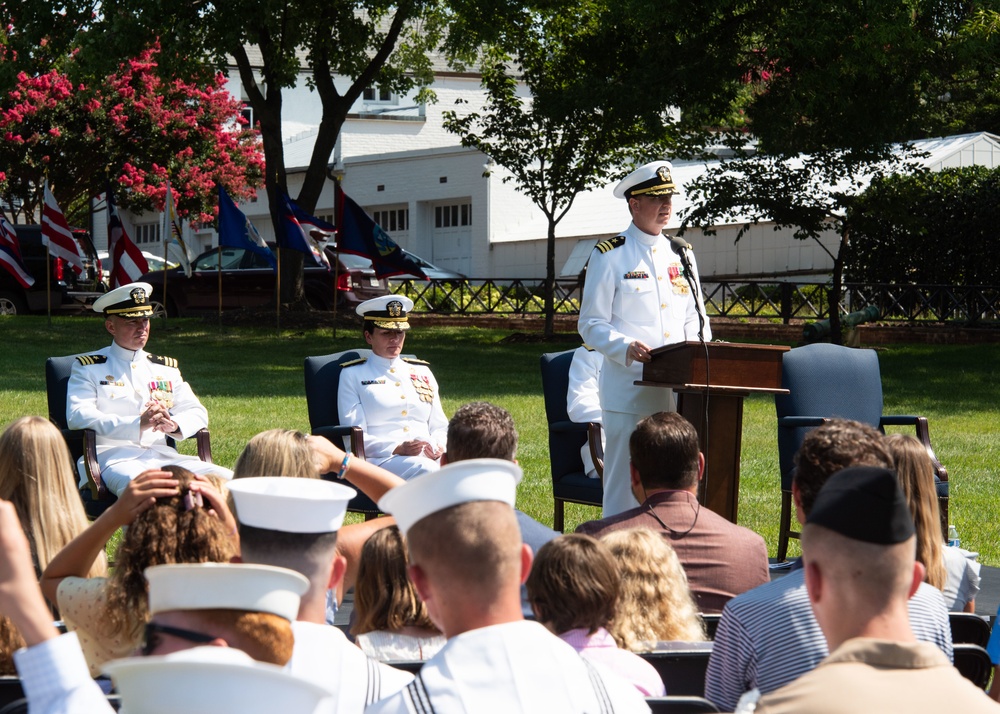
(226, 586)
(390, 312)
(451, 485)
(653, 179)
(130, 300)
(209, 680)
(290, 505)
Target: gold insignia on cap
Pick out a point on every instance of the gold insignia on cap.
(664, 173)
(138, 296)
(394, 308)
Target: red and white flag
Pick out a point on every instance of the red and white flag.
(128, 264)
(56, 234)
(10, 255)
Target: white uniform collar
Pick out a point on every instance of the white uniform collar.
(642, 236)
(384, 362)
(119, 352)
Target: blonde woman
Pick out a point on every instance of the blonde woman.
(36, 476)
(656, 604)
(173, 516)
(950, 570)
(277, 452)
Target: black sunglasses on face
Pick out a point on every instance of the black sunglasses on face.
(151, 639)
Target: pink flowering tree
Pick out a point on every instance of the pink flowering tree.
(134, 129)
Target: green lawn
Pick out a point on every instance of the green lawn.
(251, 380)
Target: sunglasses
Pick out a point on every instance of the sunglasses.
(151, 637)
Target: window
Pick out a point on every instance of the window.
(458, 214)
(396, 219)
(377, 94)
(247, 112)
(146, 233)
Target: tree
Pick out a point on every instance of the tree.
(130, 128)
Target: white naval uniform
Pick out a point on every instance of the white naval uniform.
(324, 656)
(583, 400)
(393, 400)
(108, 391)
(635, 291)
(514, 668)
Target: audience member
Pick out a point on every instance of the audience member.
(134, 400)
(953, 571)
(656, 604)
(293, 523)
(858, 547)
(467, 562)
(573, 588)
(391, 621)
(769, 636)
(35, 476)
(583, 398)
(173, 516)
(721, 559)
(277, 452)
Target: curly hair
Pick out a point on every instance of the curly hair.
(915, 472)
(276, 452)
(37, 477)
(656, 604)
(384, 597)
(574, 584)
(165, 533)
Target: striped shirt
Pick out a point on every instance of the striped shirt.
(768, 637)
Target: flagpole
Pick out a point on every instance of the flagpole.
(219, 268)
(338, 211)
(48, 283)
(166, 232)
(277, 294)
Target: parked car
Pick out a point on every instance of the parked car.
(68, 290)
(431, 271)
(249, 281)
(155, 262)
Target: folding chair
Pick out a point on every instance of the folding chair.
(679, 705)
(682, 671)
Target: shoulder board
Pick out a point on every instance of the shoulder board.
(587, 347)
(353, 362)
(91, 359)
(605, 245)
(165, 361)
(414, 360)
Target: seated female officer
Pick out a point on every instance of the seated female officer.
(393, 399)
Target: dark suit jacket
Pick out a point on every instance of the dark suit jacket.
(721, 559)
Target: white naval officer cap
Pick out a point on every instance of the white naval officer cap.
(653, 179)
(226, 586)
(290, 505)
(210, 680)
(390, 312)
(451, 485)
(130, 300)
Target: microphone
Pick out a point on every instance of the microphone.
(681, 248)
(679, 245)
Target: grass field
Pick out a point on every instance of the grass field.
(251, 380)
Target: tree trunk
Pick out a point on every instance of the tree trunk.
(550, 278)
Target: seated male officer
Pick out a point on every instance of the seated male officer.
(395, 400)
(131, 398)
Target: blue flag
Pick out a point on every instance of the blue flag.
(360, 235)
(304, 233)
(236, 230)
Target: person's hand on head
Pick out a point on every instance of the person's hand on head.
(327, 456)
(213, 501)
(141, 494)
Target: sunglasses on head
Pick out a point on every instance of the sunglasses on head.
(151, 636)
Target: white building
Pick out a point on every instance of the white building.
(430, 193)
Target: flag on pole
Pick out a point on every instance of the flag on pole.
(304, 233)
(56, 234)
(10, 254)
(172, 231)
(128, 264)
(236, 230)
(360, 235)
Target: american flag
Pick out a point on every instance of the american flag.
(10, 255)
(56, 234)
(127, 262)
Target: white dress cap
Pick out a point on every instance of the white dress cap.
(227, 586)
(130, 300)
(390, 312)
(211, 680)
(652, 179)
(452, 484)
(290, 505)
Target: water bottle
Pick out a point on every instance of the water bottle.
(953, 539)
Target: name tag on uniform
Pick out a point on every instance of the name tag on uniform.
(366, 382)
(636, 275)
(110, 382)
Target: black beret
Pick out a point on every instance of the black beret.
(864, 503)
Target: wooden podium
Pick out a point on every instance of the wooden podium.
(711, 381)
